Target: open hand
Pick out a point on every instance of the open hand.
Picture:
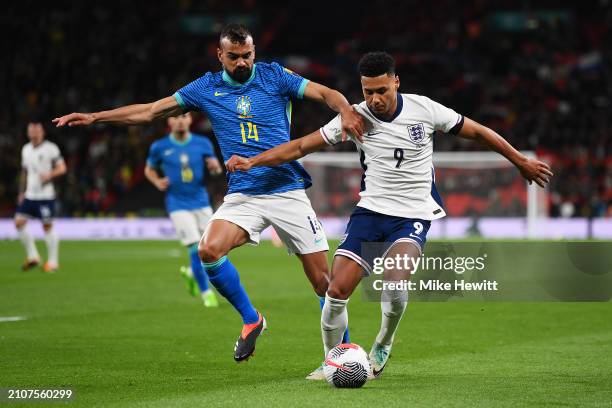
(535, 170)
(352, 123)
(74, 119)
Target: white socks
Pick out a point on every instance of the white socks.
(52, 247)
(334, 321)
(28, 242)
(393, 305)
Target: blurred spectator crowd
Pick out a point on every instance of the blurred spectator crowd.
(539, 73)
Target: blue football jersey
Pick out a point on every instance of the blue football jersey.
(183, 163)
(248, 119)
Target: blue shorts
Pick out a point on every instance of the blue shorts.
(43, 209)
(366, 226)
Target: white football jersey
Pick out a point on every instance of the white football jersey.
(396, 156)
(36, 161)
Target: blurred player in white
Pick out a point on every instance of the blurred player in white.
(41, 163)
(398, 193)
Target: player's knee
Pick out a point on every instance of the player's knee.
(337, 292)
(210, 251)
(20, 222)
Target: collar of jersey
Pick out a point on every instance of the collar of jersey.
(231, 82)
(398, 110)
(178, 142)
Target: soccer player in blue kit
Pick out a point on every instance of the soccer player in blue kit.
(249, 106)
(181, 157)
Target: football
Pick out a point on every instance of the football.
(347, 366)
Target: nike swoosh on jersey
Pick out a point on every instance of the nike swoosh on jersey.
(220, 93)
(168, 152)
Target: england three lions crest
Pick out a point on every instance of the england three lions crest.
(416, 133)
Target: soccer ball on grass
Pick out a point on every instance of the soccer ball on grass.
(347, 366)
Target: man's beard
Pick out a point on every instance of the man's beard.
(240, 74)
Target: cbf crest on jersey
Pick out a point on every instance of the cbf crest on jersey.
(184, 159)
(416, 133)
(243, 106)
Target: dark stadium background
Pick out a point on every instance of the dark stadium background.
(115, 323)
(538, 72)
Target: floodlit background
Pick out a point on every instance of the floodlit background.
(538, 73)
(115, 323)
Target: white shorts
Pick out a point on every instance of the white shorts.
(190, 224)
(290, 214)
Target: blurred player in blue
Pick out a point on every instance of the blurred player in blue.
(181, 157)
(249, 106)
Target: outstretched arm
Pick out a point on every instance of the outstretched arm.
(531, 169)
(125, 115)
(280, 154)
(352, 122)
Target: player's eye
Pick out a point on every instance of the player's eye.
(246, 56)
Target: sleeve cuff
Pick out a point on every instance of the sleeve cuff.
(325, 138)
(302, 88)
(179, 100)
(457, 128)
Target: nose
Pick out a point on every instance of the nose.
(241, 63)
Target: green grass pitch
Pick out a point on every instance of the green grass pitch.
(117, 326)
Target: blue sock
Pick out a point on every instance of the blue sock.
(224, 276)
(346, 337)
(197, 268)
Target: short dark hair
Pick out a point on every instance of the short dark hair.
(377, 63)
(236, 33)
(35, 121)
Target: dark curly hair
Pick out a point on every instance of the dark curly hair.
(236, 33)
(377, 63)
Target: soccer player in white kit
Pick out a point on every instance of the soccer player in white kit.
(398, 194)
(41, 163)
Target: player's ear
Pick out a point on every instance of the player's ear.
(219, 53)
(397, 83)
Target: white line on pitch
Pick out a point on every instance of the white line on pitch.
(11, 318)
